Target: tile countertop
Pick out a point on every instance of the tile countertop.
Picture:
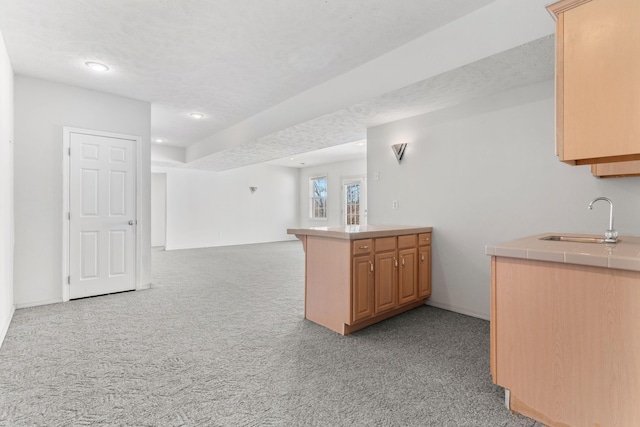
(624, 255)
(355, 232)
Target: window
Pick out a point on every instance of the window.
(318, 200)
(354, 202)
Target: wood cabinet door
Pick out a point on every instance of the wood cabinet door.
(613, 170)
(386, 279)
(362, 288)
(424, 272)
(599, 69)
(408, 276)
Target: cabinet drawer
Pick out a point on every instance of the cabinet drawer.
(385, 244)
(408, 241)
(364, 246)
(424, 239)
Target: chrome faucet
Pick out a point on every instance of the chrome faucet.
(611, 235)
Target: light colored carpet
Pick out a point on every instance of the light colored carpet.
(220, 340)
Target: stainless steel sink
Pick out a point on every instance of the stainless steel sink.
(574, 239)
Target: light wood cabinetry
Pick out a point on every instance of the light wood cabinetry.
(597, 81)
(408, 268)
(386, 279)
(424, 265)
(393, 264)
(363, 279)
(351, 284)
(408, 275)
(565, 342)
(616, 170)
(363, 292)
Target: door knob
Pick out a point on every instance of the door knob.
(133, 221)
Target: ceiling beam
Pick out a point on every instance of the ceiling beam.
(501, 25)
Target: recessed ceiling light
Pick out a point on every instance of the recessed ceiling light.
(290, 158)
(360, 144)
(159, 140)
(96, 66)
(197, 115)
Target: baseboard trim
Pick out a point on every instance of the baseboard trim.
(5, 328)
(37, 303)
(457, 309)
(180, 248)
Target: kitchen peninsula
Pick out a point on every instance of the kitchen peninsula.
(565, 316)
(356, 276)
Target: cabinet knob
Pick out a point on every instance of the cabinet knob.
(371, 266)
(422, 258)
(395, 262)
(363, 247)
(403, 261)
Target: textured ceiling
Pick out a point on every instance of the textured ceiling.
(342, 152)
(228, 59)
(236, 61)
(527, 64)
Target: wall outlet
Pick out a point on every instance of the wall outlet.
(394, 204)
(376, 176)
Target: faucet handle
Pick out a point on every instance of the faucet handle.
(611, 236)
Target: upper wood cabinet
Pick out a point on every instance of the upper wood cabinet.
(616, 170)
(597, 80)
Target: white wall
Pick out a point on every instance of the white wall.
(158, 209)
(6, 191)
(42, 108)
(335, 172)
(484, 173)
(167, 155)
(206, 209)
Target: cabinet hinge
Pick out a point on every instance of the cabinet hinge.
(69, 216)
(69, 151)
(68, 280)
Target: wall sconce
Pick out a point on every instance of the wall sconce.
(253, 189)
(398, 149)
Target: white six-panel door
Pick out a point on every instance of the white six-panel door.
(102, 205)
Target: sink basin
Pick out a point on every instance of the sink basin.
(574, 239)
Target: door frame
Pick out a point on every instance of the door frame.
(66, 200)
